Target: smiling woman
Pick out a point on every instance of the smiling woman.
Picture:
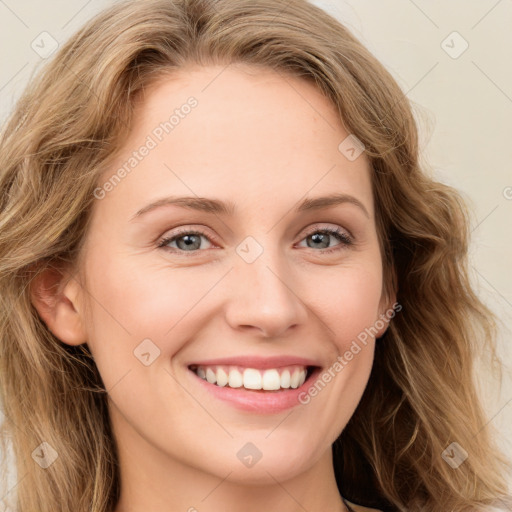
(269, 310)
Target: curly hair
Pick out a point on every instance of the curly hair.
(63, 134)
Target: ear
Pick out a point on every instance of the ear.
(388, 308)
(56, 296)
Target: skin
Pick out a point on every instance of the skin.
(265, 142)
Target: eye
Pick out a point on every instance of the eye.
(320, 237)
(186, 240)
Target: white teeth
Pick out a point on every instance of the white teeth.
(285, 379)
(297, 379)
(271, 380)
(235, 379)
(251, 378)
(222, 377)
(210, 376)
(294, 381)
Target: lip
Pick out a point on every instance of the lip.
(257, 362)
(255, 401)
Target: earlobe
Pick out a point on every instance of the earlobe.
(56, 299)
(388, 305)
(386, 313)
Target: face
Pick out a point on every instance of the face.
(258, 276)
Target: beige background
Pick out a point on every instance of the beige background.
(463, 102)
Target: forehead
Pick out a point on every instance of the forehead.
(251, 132)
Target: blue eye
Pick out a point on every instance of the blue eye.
(344, 238)
(189, 241)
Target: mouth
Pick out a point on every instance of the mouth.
(255, 380)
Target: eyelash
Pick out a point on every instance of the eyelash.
(345, 240)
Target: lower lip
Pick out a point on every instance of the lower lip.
(263, 402)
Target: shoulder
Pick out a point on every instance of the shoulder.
(359, 508)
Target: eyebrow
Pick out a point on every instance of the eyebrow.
(228, 208)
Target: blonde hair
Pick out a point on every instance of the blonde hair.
(421, 395)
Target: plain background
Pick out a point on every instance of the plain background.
(453, 60)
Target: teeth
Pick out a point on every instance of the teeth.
(210, 376)
(236, 379)
(222, 377)
(294, 381)
(285, 379)
(251, 378)
(271, 380)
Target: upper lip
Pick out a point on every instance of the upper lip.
(257, 362)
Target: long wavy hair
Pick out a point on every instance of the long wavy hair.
(422, 393)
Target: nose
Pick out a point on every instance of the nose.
(263, 298)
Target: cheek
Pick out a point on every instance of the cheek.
(350, 301)
(350, 310)
(132, 303)
(144, 300)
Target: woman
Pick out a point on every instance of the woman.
(173, 338)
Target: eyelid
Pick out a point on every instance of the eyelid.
(320, 226)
